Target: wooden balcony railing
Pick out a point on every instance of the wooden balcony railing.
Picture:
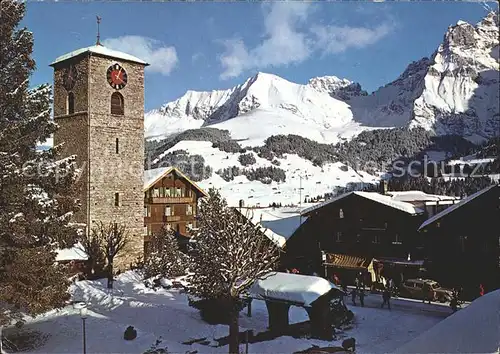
(169, 200)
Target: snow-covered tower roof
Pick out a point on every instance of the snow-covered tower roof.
(99, 50)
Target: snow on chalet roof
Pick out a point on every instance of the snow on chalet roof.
(414, 196)
(297, 288)
(374, 196)
(278, 224)
(74, 253)
(456, 206)
(99, 49)
(153, 175)
(474, 329)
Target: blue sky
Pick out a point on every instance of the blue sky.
(215, 45)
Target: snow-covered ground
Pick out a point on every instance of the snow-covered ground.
(166, 314)
(299, 172)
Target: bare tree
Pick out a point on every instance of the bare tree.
(113, 238)
(91, 245)
(232, 254)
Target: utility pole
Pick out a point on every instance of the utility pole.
(300, 200)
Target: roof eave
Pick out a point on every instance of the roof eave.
(56, 62)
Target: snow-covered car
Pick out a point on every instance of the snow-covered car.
(415, 288)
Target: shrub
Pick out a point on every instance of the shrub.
(266, 174)
(247, 159)
(228, 173)
(231, 146)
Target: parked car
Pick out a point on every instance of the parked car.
(414, 288)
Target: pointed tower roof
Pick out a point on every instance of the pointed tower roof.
(99, 50)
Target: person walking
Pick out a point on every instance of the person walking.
(481, 290)
(353, 296)
(362, 297)
(386, 296)
(428, 293)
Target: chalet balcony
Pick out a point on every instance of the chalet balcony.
(169, 200)
(171, 218)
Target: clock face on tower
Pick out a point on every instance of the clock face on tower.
(70, 77)
(117, 76)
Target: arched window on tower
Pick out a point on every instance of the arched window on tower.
(117, 104)
(70, 105)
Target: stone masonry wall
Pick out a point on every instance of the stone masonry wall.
(73, 128)
(121, 172)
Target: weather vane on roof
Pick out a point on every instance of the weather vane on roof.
(98, 31)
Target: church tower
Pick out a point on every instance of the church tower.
(99, 107)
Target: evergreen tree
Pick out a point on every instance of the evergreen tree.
(164, 259)
(232, 253)
(35, 187)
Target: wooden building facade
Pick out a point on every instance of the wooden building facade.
(171, 201)
(362, 224)
(463, 242)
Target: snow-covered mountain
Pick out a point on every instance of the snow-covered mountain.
(455, 90)
(460, 91)
(263, 105)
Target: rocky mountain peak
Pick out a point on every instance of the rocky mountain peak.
(341, 89)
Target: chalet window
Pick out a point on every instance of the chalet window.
(168, 211)
(146, 230)
(71, 103)
(376, 238)
(341, 214)
(397, 240)
(117, 104)
(156, 193)
(167, 192)
(116, 146)
(117, 199)
(189, 209)
(162, 192)
(178, 192)
(172, 191)
(147, 210)
(338, 236)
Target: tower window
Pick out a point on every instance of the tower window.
(117, 199)
(71, 103)
(116, 146)
(117, 104)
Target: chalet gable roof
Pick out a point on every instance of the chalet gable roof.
(155, 174)
(373, 196)
(457, 205)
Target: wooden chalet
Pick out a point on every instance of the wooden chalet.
(171, 201)
(366, 225)
(464, 242)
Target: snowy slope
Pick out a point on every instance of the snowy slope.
(315, 180)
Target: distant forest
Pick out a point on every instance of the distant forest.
(371, 151)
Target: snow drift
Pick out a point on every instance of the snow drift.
(475, 329)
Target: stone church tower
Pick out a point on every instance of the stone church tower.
(99, 107)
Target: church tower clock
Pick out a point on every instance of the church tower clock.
(99, 107)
